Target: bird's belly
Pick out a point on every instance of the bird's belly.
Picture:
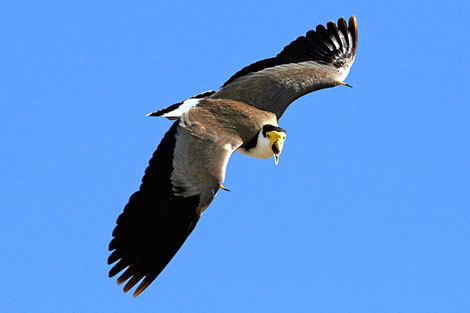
(262, 152)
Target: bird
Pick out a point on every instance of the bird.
(188, 167)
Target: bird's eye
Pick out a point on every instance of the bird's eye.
(267, 136)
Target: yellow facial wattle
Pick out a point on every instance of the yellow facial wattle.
(276, 142)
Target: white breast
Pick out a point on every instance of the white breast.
(262, 149)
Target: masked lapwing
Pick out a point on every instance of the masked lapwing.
(188, 167)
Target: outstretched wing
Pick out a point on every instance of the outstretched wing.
(181, 180)
(320, 59)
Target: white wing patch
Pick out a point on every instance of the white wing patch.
(228, 147)
(185, 106)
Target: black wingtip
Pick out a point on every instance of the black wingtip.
(353, 30)
(133, 281)
(117, 268)
(144, 284)
(334, 44)
(154, 223)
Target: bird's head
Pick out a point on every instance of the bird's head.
(275, 136)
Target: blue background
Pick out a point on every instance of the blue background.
(368, 210)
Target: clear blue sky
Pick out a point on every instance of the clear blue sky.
(368, 210)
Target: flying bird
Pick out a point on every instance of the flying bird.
(188, 167)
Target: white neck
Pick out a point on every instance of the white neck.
(262, 150)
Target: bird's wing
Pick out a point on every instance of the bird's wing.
(320, 59)
(181, 180)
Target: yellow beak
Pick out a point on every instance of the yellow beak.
(276, 141)
(277, 146)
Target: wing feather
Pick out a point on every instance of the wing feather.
(320, 59)
(161, 215)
